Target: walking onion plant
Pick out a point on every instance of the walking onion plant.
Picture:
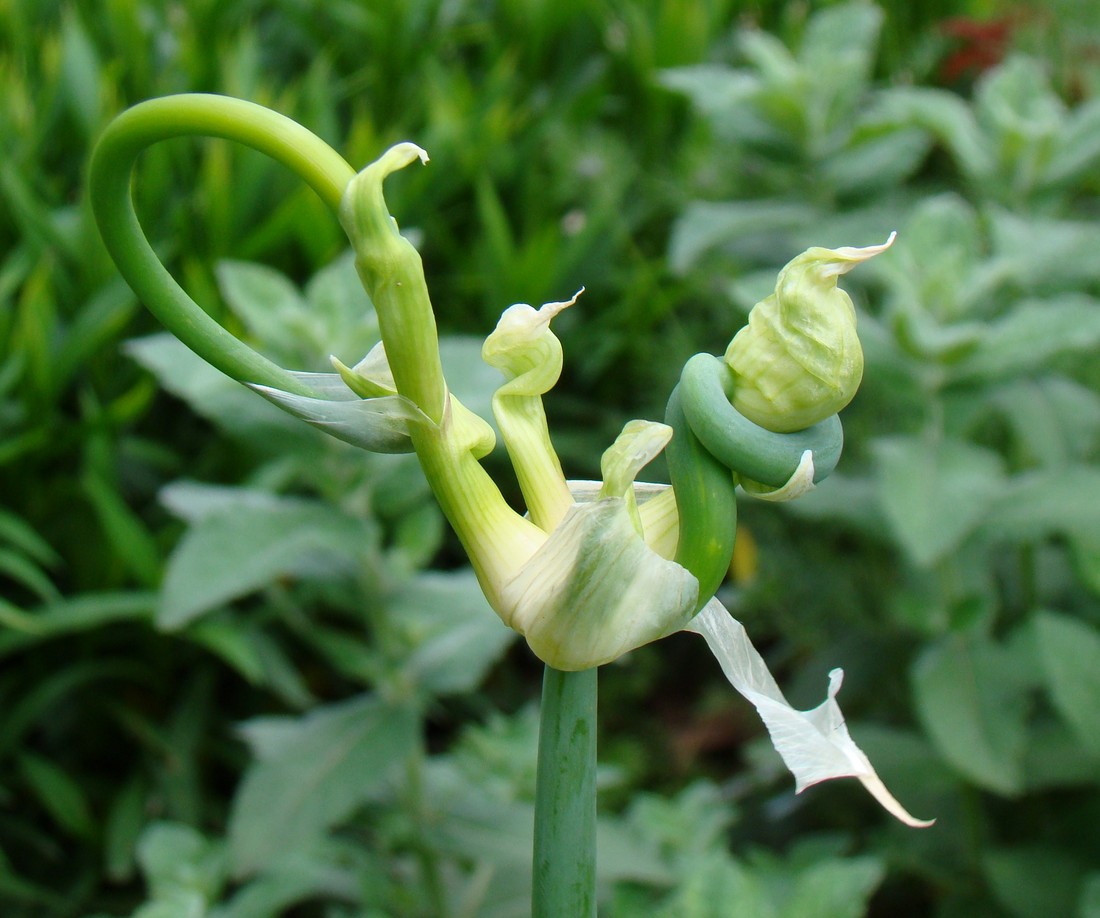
(594, 569)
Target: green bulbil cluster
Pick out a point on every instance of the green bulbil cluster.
(590, 573)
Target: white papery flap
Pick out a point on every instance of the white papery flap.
(815, 745)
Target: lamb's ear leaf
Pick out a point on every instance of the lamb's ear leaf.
(815, 745)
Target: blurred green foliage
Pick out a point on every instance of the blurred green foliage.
(242, 670)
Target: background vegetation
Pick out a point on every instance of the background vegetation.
(243, 671)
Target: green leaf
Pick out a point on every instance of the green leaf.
(21, 535)
(971, 697)
(180, 866)
(846, 32)
(934, 494)
(947, 117)
(834, 888)
(346, 317)
(27, 574)
(1086, 559)
(1056, 758)
(1089, 906)
(1069, 653)
(1056, 421)
(227, 555)
(18, 892)
(84, 612)
(456, 635)
(270, 306)
(835, 59)
(195, 501)
(686, 825)
(316, 874)
(1078, 146)
(253, 653)
(846, 501)
(124, 530)
(876, 159)
(60, 794)
(1032, 881)
(122, 829)
(1043, 254)
(1035, 505)
(325, 765)
(472, 818)
(715, 884)
(705, 226)
(712, 88)
(102, 319)
(931, 268)
(180, 903)
(81, 74)
(1020, 113)
(1031, 335)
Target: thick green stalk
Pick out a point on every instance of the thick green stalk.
(565, 798)
(497, 540)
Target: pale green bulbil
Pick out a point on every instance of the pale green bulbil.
(799, 359)
(596, 590)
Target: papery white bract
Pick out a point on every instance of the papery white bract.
(815, 745)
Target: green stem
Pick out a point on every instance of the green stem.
(391, 270)
(109, 177)
(565, 798)
(706, 503)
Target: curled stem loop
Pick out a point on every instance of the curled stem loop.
(112, 166)
(714, 448)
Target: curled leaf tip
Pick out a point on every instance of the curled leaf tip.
(401, 154)
(848, 256)
(523, 322)
(552, 309)
(638, 444)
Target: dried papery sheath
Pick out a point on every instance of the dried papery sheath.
(799, 359)
(815, 745)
